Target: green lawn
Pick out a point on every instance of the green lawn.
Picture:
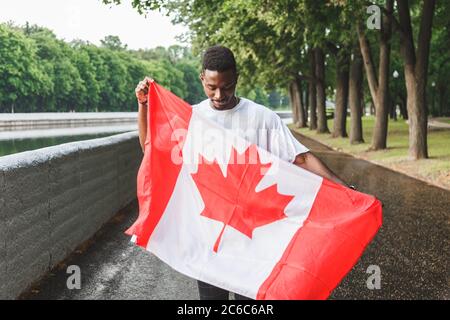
(436, 169)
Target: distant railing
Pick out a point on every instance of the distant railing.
(14, 121)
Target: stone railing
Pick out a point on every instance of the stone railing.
(54, 199)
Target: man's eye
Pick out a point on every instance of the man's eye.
(229, 86)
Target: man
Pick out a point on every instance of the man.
(254, 122)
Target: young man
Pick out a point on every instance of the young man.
(254, 122)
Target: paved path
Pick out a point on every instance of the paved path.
(438, 124)
(411, 249)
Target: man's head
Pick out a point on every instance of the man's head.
(219, 77)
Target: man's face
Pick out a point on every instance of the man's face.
(220, 88)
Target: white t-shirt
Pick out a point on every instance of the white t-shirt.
(257, 124)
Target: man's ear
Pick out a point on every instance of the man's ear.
(201, 76)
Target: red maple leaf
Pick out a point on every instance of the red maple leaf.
(232, 199)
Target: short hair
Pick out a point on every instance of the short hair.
(218, 58)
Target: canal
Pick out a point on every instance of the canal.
(20, 145)
(25, 132)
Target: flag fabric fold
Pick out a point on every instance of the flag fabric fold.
(226, 212)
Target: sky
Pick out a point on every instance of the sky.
(91, 20)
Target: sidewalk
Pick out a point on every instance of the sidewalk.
(411, 249)
(438, 124)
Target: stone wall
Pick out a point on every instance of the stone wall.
(53, 199)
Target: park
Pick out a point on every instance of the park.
(362, 86)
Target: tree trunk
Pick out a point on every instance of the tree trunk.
(442, 90)
(355, 98)
(379, 136)
(322, 126)
(363, 102)
(369, 66)
(403, 109)
(372, 108)
(301, 107)
(312, 92)
(392, 109)
(293, 101)
(417, 117)
(416, 68)
(306, 93)
(340, 114)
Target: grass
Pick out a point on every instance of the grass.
(435, 170)
(282, 108)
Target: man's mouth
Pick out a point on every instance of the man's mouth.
(220, 103)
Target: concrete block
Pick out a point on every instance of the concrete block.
(129, 158)
(2, 238)
(64, 205)
(26, 219)
(27, 247)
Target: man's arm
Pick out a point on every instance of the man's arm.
(311, 163)
(142, 97)
(142, 125)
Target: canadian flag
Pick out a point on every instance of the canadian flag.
(223, 211)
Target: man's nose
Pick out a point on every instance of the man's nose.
(218, 94)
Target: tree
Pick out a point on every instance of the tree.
(274, 99)
(312, 92)
(416, 73)
(57, 57)
(21, 76)
(253, 39)
(41, 73)
(355, 97)
(90, 98)
(379, 87)
(342, 84)
(115, 95)
(113, 43)
(322, 126)
(439, 70)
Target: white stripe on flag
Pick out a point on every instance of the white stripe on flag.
(184, 239)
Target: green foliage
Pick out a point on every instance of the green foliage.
(21, 75)
(439, 69)
(271, 38)
(113, 43)
(39, 73)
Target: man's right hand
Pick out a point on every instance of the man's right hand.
(142, 91)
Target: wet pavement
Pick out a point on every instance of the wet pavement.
(411, 249)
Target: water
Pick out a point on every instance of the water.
(19, 145)
(15, 141)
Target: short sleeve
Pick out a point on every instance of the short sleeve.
(282, 143)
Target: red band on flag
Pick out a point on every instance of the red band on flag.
(167, 118)
(326, 247)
